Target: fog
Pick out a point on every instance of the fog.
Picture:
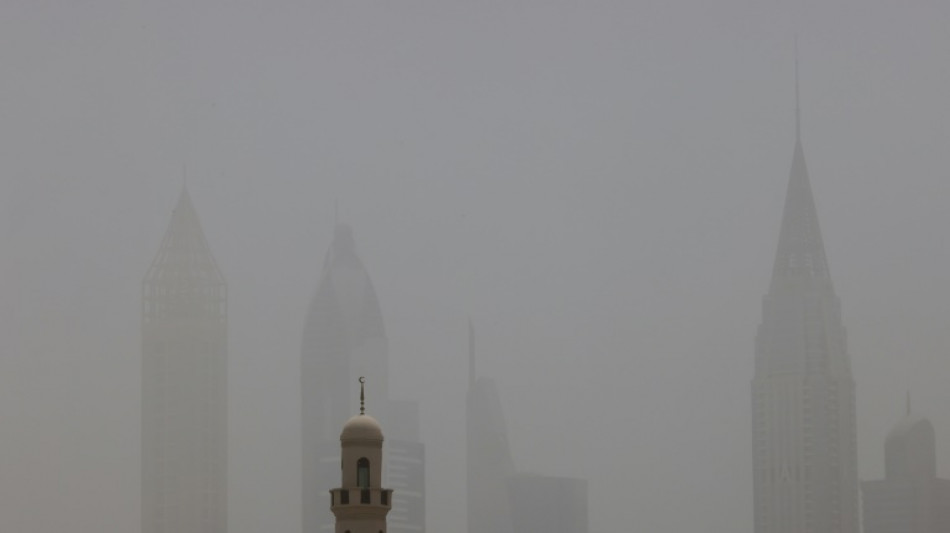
(598, 186)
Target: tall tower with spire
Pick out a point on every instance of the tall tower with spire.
(488, 456)
(803, 404)
(910, 498)
(344, 338)
(184, 383)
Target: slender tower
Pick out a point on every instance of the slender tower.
(488, 456)
(184, 384)
(360, 504)
(803, 406)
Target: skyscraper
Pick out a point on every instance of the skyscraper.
(910, 498)
(184, 384)
(343, 339)
(488, 456)
(803, 406)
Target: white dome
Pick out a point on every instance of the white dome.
(362, 427)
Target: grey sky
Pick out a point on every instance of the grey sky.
(598, 186)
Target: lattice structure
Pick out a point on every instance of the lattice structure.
(184, 383)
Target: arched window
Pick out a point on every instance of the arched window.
(362, 473)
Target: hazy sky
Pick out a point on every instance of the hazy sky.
(598, 186)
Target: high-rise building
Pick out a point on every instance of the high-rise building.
(184, 384)
(803, 406)
(344, 338)
(405, 467)
(488, 456)
(910, 498)
(360, 504)
(548, 504)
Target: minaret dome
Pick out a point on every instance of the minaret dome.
(360, 504)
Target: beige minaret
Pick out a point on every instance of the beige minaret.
(360, 504)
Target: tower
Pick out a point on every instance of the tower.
(184, 383)
(360, 504)
(910, 498)
(344, 338)
(489, 464)
(803, 405)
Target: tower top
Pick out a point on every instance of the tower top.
(801, 251)
(184, 254)
(798, 109)
(471, 354)
(362, 427)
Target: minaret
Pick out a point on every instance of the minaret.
(360, 504)
(488, 457)
(803, 405)
(184, 383)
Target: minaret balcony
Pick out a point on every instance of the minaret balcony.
(356, 496)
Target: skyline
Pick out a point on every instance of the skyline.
(608, 214)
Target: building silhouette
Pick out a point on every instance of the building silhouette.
(910, 498)
(360, 504)
(488, 457)
(343, 339)
(184, 383)
(499, 499)
(803, 405)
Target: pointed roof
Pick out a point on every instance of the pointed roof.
(801, 252)
(346, 288)
(184, 253)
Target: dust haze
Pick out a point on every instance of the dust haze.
(598, 187)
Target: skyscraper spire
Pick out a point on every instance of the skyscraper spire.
(798, 109)
(184, 253)
(471, 354)
(801, 251)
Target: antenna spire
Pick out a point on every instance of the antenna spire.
(362, 395)
(471, 354)
(798, 109)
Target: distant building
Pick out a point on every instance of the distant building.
(910, 498)
(488, 457)
(500, 500)
(184, 384)
(344, 338)
(803, 404)
(405, 468)
(360, 504)
(548, 504)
